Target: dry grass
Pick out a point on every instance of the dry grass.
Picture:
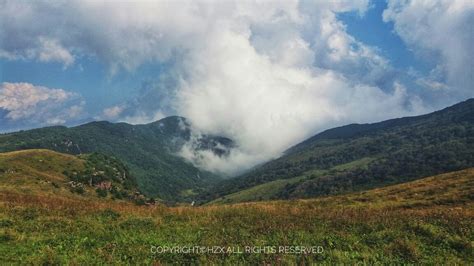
(426, 221)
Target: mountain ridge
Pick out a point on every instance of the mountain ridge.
(359, 128)
(149, 150)
(356, 157)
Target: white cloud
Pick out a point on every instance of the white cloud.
(142, 118)
(45, 50)
(265, 73)
(440, 31)
(52, 51)
(25, 103)
(266, 107)
(127, 113)
(431, 84)
(111, 113)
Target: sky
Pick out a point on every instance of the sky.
(267, 74)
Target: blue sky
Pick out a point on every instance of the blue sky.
(372, 30)
(287, 68)
(88, 77)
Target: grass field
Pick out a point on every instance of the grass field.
(266, 191)
(426, 221)
(37, 171)
(272, 189)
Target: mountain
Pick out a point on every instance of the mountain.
(43, 173)
(361, 156)
(149, 151)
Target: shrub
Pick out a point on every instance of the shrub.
(101, 192)
(116, 194)
(5, 223)
(109, 214)
(78, 190)
(140, 201)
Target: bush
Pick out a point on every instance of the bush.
(140, 201)
(78, 190)
(116, 194)
(5, 223)
(101, 192)
(109, 214)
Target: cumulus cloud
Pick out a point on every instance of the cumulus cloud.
(439, 31)
(141, 117)
(266, 107)
(26, 104)
(265, 73)
(111, 113)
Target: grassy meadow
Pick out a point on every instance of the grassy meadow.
(426, 221)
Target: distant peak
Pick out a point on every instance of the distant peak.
(102, 122)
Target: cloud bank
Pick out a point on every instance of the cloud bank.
(266, 74)
(24, 104)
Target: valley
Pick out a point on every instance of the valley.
(399, 191)
(357, 157)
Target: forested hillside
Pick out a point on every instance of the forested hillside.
(149, 151)
(356, 157)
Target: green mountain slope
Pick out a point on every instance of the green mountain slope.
(43, 173)
(149, 151)
(356, 157)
